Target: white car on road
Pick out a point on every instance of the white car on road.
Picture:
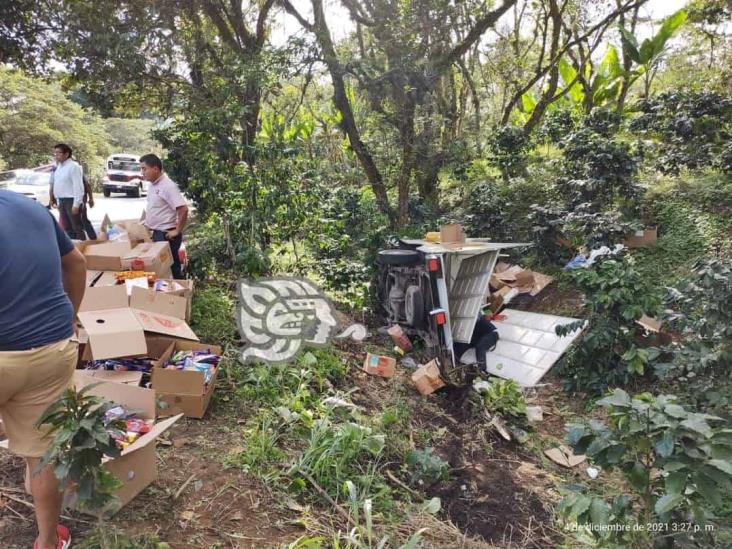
(34, 185)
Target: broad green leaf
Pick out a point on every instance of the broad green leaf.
(599, 511)
(630, 45)
(707, 488)
(568, 73)
(528, 103)
(647, 51)
(668, 28)
(638, 476)
(676, 411)
(667, 503)
(722, 465)
(432, 506)
(618, 398)
(665, 445)
(581, 505)
(697, 424)
(675, 483)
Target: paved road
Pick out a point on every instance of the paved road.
(116, 207)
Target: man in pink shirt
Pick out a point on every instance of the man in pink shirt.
(167, 212)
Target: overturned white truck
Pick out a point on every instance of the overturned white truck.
(437, 291)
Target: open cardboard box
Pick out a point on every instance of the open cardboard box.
(103, 255)
(132, 230)
(153, 257)
(184, 391)
(136, 467)
(116, 330)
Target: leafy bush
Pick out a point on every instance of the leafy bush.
(608, 354)
(691, 129)
(701, 311)
(503, 397)
(80, 442)
(426, 467)
(676, 462)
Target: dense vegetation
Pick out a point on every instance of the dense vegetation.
(557, 122)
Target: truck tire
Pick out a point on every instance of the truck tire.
(414, 306)
(106, 192)
(398, 257)
(134, 193)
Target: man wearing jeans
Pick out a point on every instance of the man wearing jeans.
(68, 191)
(42, 281)
(167, 212)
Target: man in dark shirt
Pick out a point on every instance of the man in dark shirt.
(42, 281)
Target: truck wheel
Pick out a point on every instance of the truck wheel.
(398, 257)
(135, 193)
(106, 192)
(414, 306)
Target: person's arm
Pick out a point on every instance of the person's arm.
(175, 200)
(73, 269)
(51, 196)
(77, 180)
(182, 213)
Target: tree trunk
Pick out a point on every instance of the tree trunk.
(342, 103)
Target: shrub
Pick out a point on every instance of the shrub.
(607, 353)
(676, 462)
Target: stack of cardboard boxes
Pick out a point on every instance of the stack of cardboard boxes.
(124, 319)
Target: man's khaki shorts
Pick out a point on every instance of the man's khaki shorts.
(29, 382)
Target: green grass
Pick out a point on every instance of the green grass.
(212, 315)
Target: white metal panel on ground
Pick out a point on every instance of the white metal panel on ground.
(468, 293)
(527, 346)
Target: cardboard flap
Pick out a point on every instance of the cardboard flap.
(106, 223)
(107, 279)
(164, 324)
(114, 333)
(99, 298)
(137, 399)
(129, 378)
(158, 429)
(108, 249)
(150, 251)
(158, 302)
(135, 230)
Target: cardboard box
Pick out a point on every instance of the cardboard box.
(452, 232)
(128, 378)
(136, 468)
(105, 256)
(427, 378)
(151, 257)
(184, 391)
(182, 288)
(376, 365)
(129, 230)
(116, 330)
(158, 302)
(643, 238)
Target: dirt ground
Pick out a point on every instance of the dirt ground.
(499, 494)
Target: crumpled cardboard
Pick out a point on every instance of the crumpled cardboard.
(427, 378)
(564, 456)
(525, 281)
(451, 233)
(642, 238)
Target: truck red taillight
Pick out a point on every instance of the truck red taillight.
(440, 318)
(433, 265)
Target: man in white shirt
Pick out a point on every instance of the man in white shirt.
(68, 191)
(167, 212)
